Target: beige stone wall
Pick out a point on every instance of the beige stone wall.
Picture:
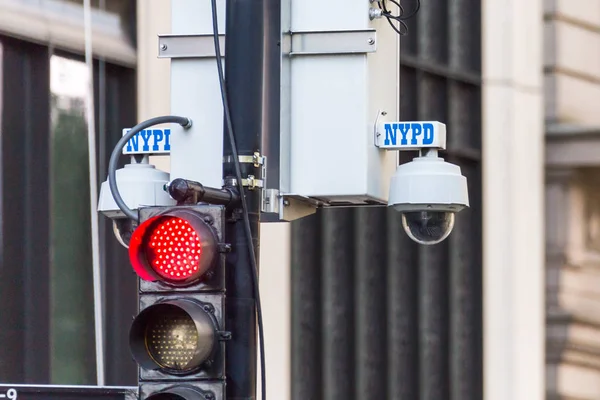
(572, 61)
(572, 99)
(573, 283)
(513, 228)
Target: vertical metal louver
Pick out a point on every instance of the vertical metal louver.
(376, 316)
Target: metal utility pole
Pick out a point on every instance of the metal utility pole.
(244, 54)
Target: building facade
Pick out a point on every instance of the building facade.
(572, 89)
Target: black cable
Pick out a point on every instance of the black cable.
(403, 28)
(116, 153)
(399, 31)
(238, 173)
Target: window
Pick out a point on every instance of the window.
(71, 284)
(46, 322)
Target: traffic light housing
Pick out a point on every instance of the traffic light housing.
(177, 339)
(180, 392)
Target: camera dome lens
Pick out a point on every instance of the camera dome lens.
(428, 227)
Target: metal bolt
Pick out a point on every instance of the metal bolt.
(163, 47)
(209, 308)
(225, 335)
(375, 13)
(371, 41)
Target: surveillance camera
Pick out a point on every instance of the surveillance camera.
(428, 192)
(140, 184)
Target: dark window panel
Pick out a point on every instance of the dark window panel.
(409, 43)
(25, 238)
(403, 310)
(338, 328)
(464, 128)
(71, 296)
(24, 218)
(464, 20)
(432, 22)
(465, 280)
(307, 299)
(433, 321)
(118, 90)
(408, 94)
(432, 97)
(370, 275)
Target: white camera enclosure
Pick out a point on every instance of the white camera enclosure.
(339, 76)
(140, 185)
(428, 184)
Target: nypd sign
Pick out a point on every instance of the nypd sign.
(411, 135)
(149, 141)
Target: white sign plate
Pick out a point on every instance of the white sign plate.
(149, 141)
(410, 135)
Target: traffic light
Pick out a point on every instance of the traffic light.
(177, 339)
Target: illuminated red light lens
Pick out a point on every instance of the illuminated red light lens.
(174, 249)
(177, 247)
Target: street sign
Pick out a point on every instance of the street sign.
(149, 141)
(53, 392)
(411, 135)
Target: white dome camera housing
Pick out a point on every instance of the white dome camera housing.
(140, 185)
(428, 192)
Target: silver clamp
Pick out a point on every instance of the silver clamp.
(250, 182)
(256, 159)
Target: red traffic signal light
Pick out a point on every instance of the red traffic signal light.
(178, 336)
(177, 247)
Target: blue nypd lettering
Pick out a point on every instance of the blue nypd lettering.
(149, 141)
(412, 133)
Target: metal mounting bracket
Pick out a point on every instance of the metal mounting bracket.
(294, 43)
(271, 201)
(189, 46)
(329, 42)
(289, 208)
